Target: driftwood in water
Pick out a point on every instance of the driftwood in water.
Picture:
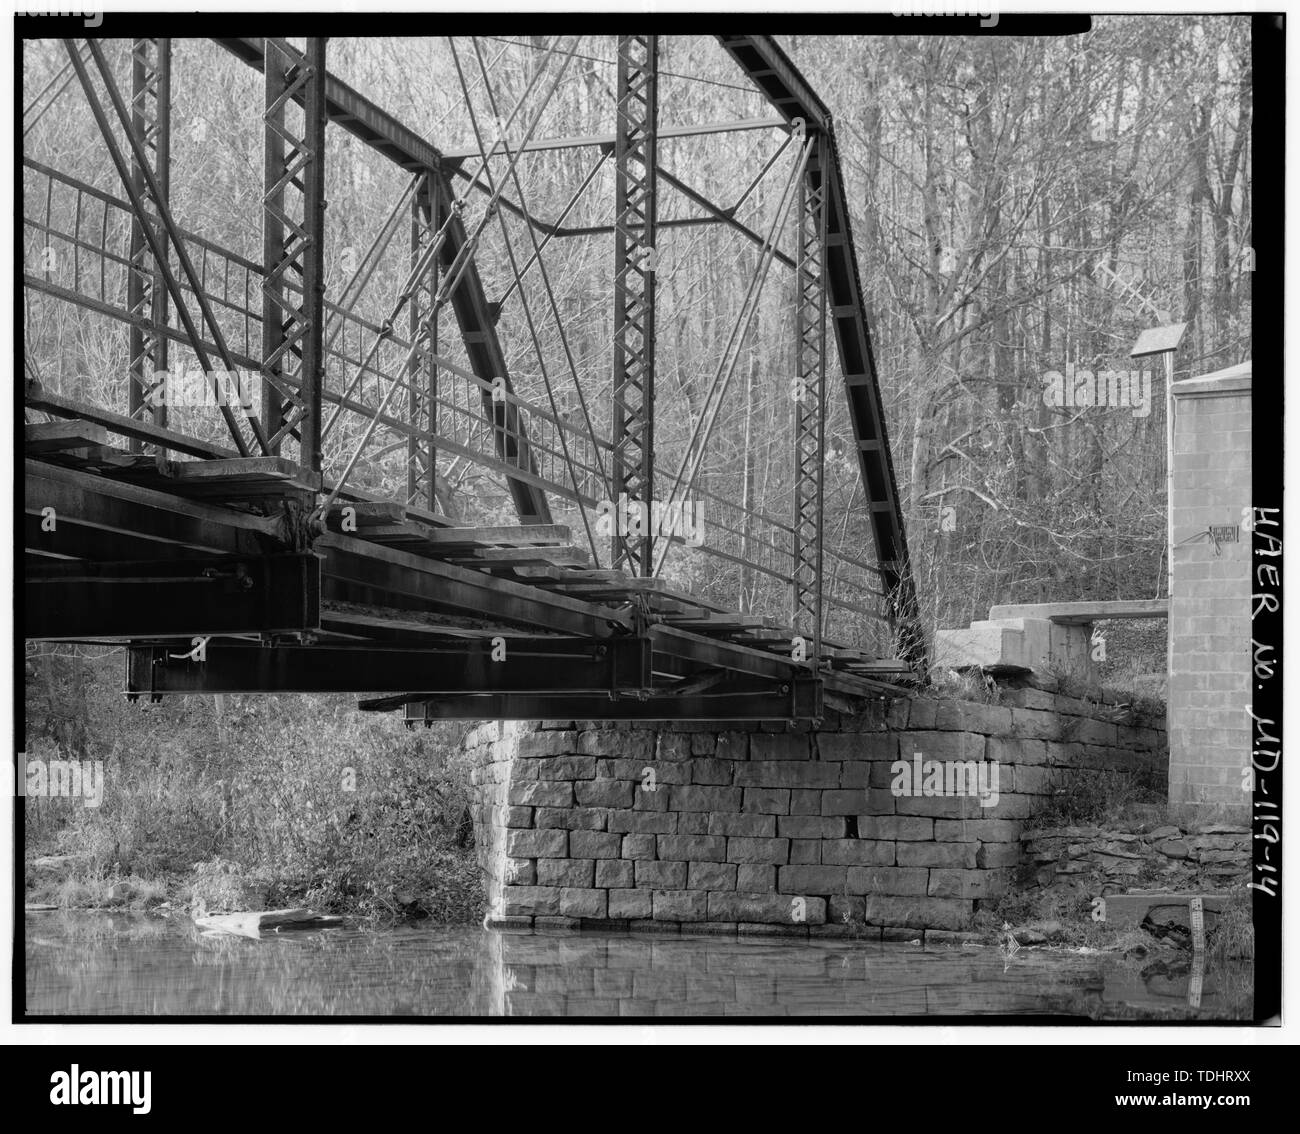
(257, 923)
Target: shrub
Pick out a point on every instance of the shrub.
(287, 800)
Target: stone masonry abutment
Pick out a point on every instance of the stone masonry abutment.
(906, 817)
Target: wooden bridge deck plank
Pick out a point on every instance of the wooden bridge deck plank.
(58, 436)
(237, 478)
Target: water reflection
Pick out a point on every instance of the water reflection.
(102, 964)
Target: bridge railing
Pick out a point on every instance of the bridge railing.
(87, 231)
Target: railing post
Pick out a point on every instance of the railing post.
(809, 396)
(634, 295)
(146, 292)
(293, 241)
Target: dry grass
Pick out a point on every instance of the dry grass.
(101, 892)
(1233, 936)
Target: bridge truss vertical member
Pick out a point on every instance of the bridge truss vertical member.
(810, 402)
(293, 240)
(146, 292)
(634, 291)
(421, 455)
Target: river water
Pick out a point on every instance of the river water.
(95, 964)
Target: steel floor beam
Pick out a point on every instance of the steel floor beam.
(531, 666)
(272, 594)
(800, 700)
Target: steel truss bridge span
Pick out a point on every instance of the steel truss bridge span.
(304, 528)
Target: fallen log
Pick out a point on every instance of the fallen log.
(256, 923)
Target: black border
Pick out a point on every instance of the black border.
(1268, 154)
(1268, 54)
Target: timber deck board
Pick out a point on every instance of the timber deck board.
(233, 479)
(59, 436)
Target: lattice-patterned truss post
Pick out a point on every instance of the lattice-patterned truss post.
(421, 454)
(293, 242)
(634, 292)
(146, 293)
(810, 403)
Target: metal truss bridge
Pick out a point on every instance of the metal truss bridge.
(427, 467)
